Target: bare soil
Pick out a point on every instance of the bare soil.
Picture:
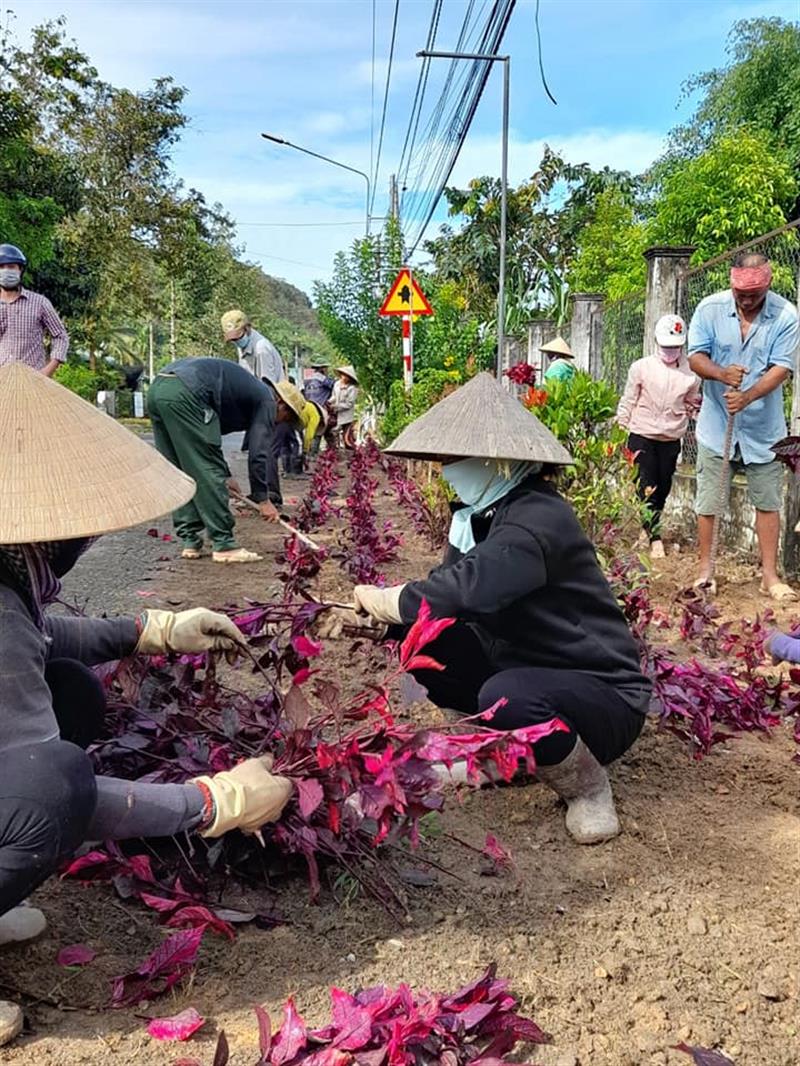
(684, 928)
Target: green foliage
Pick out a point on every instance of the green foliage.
(600, 484)
(79, 378)
(403, 407)
(759, 89)
(739, 188)
(610, 249)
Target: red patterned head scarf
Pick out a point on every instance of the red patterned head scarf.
(751, 278)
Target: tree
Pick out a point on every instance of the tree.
(736, 190)
(609, 258)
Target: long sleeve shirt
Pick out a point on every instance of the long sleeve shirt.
(772, 341)
(241, 402)
(534, 594)
(344, 399)
(262, 358)
(24, 323)
(659, 399)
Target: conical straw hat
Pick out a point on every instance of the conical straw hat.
(479, 420)
(68, 470)
(557, 346)
(350, 370)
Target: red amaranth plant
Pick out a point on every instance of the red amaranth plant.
(301, 563)
(316, 508)
(429, 523)
(366, 547)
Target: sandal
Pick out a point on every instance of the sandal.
(191, 553)
(780, 592)
(706, 584)
(236, 555)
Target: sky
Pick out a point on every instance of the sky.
(302, 70)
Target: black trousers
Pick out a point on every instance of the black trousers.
(286, 448)
(656, 461)
(47, 791)
(591, 709)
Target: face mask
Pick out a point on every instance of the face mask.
(469, 478)
(9, 278)
(670, 355)
(243, 341)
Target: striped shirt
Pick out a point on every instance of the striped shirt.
(23, 325)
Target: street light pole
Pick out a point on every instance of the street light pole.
(327, 159)
(501, 279)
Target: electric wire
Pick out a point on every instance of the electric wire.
(372, 92)
(419, 93)
(385, 105)
(541, 62)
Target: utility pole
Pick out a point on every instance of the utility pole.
(501, 279)
(394, 199)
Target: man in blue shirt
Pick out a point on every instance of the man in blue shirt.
(743, 343)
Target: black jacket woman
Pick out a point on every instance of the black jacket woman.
(537, 624)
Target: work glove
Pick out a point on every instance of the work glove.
(188, 632)
(331, 623)
(245, 797)
(383, 605)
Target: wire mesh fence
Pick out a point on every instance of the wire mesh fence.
(782, 248)
(623, 333)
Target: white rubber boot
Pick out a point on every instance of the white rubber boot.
(583, 783)
(17, 926)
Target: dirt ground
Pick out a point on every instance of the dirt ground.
(683, 928)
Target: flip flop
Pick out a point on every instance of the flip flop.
(704, 584)
(780, 592)
(238, 555)
(191, 553)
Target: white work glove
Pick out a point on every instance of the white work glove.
(381, 604)
(331, 623)
(246, 797)
(188, 632)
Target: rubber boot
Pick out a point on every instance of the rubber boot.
(17, 926)
(582, 782)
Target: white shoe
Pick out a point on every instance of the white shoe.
(583, 783)
(21, 924)
(11, 1021)
(236, 555)
(657, 550)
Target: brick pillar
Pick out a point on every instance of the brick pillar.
(664, 264)
(584, 306)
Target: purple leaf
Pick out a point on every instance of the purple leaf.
(76, 955)
(309, 795)
(291, 1037)
(296, 707)
(264, 1033)
(178, 1027)
(703, 1056)
(221, 1052)
(162, 969)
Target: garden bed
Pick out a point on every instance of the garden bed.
(684, 928)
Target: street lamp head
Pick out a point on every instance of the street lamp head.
(271, 137)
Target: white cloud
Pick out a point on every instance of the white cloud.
(402, 70)
(632, 150)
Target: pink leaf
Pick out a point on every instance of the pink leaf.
(92, 863)
(159, 903)
(495, 851)
(291, 1037)
(704, 1056)
(264, 1033)
(178, 1027)
(306, 647)
(196, 916)
(152, 532)
(167, 537)
(76, 955)
(309, 795)
(423, 662)
(424, 631)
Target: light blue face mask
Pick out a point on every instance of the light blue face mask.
(243, 341)
(479, 483)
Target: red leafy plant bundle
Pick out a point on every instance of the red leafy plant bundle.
(362, 782)
(480, 1025)
(366, 547)
(430, 522)
(301, 564)
(521, 374)
(316, 507)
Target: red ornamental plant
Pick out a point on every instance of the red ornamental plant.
(521, 374)
(358, 785)
(479, 1024)
(408, 494)
(301, 564)
(316, 508)
(366, 547)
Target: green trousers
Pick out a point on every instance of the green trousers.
(188, 435)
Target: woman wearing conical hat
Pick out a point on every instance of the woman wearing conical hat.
(537, 624)
(561, 361)
(51, 703)
(343, 401)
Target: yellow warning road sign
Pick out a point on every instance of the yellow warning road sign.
(405, 297)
